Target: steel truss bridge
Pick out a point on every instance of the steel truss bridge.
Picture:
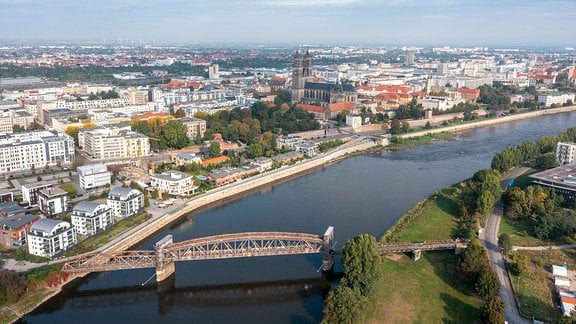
(238, 245)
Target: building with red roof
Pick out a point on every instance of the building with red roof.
(469, 94)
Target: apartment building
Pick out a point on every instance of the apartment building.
(125, 202)
(93, 176)
(548, 100)
(89, 218)
(29, 150)
(48, 237)
(565, 153)
(14, 229)
(174, 182)
(113, 142)
(194, 126)
(52, 201)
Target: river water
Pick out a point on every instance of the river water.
(361, 194)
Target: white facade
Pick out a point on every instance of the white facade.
(309, 149)
(93, 176)
(113, 142)
(354, 120)
(125, 202)
(565, 153)
(48, 237)
(558, 99)
(24, 151)
(174, 182)
(52, 201)
(89, 218)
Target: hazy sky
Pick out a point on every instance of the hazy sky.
(400, 22)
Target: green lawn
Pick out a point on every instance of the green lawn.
(425, 291)
(435, 222)
(519, 232)
(524, 180)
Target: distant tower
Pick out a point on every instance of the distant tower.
(410, 57)
(213, 71)
(301, 72)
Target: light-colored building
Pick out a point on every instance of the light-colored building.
(28, 150)
(309, 149)
(174, 182)
(89, 218)
(52, 201)
(14, 229)
(125, 202)
(263, 163)
(12, 117)
(113, 142)
(93, 176)
(48, 237)
(565, 153)
(555, 99)
(31, 191)
(194, 126)
(354, 120)
(224, 176)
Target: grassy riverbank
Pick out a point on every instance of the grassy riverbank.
(426, 291)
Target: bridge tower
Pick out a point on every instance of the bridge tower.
(164, 268)
(328, 257)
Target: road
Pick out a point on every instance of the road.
(489, 239)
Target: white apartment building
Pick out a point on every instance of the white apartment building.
(174, 182)
(565, 153)
(125, 202)
(89, 218)
(48, 237)
(558, 99)
(113, 142)
(24, 151)
(93, 104)
(52, 201)
(93, 176)
(14, 116)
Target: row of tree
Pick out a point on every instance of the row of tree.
(362, 264)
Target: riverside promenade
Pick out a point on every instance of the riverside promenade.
(490, 122)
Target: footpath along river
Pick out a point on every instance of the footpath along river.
(361, 194)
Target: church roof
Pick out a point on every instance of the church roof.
(329, 86)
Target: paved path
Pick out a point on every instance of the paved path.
(490, 242)
(543, 247)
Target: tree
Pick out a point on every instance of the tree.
(70, 189)
(18, 129)
(174, 135)
(180, 113)
(493, 310)
(343, 305)
(472, 261)
(488, 284)
(73, 131)
(12, 286)
(214, 149)
(395, 127)
(505, 243)
(362, 263)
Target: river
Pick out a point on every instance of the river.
(361, 194)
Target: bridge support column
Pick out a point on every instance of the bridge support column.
(328, 257)
(164, 267)
(416, 254)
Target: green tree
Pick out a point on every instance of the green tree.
(70, 189)
(174, 135)
(472, 261)
(505, 243)
(493, 310)
(362, 263)
(395, 127)
(343, 305)
(488, 284)
(215, 149)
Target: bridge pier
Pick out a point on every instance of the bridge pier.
(328, 257)
(416, 254)
(164, 268)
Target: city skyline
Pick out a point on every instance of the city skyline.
(401, 22)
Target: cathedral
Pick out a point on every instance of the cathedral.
(316, 93)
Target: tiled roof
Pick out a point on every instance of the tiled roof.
(311, 108)
(340, 106)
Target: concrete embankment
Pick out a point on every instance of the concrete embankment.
(490, 122)
(238, 188)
